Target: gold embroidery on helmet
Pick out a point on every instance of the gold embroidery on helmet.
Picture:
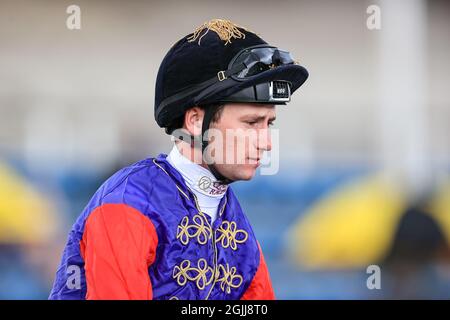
(225, 29)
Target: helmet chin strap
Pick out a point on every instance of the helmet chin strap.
(209, 113)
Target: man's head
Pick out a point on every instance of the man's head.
(224, 64)
(237, 138)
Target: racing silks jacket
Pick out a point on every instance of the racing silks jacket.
(143, 236)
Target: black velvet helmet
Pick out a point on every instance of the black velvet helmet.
(221, 62)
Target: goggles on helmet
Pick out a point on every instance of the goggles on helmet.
(254, 60)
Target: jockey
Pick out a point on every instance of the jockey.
(170, 227)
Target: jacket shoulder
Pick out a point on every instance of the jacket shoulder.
(126, 186)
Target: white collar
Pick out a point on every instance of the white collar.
(197, 178)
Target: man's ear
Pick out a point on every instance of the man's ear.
(193, 120)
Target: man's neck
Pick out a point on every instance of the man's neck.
(208, 190)
(191, 153)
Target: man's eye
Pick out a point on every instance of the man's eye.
(271, 124)
(251, 122)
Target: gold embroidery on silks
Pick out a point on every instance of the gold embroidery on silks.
(229, 235)
(201, 231)
(203, 275)
(227, 281)
(181, 273)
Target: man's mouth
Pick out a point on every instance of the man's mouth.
(254, 161)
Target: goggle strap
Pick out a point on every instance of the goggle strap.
(237, 68)
(186, 137)
(188, 91)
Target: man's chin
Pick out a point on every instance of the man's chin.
(242, 172)
(246, 174)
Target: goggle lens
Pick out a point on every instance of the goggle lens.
(258, 60)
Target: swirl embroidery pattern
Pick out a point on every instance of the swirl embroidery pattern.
(184, 273)
(229, 235)
(198, 229)
(203, 275)
(229, 278)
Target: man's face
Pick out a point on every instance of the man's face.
(243, 136)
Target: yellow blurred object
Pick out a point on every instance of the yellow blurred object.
(440, 207)
(350, 228)
(25, 216)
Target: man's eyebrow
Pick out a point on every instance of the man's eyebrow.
(257, 118)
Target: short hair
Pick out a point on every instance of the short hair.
(179, 122)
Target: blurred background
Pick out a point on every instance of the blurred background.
(364, 173)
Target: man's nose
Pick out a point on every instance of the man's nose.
(264, 140)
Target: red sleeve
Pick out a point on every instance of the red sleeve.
(118, 245)
(261, 287)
